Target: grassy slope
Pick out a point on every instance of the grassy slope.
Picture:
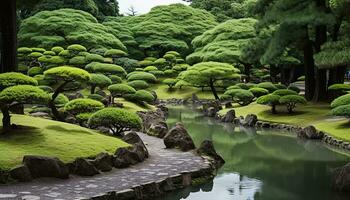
(51, 138)
(311, 114)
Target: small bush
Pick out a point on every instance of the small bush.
(115, 53)
(23, 94)
(181, 67)
(138, 84)
(13, 78)
(57, 49)
(24, 50)
(77, 106)
(94, 58)
(291, 101)
(49, 53)
(115, 79)
(148, 77)
(140, 97)
(66, 73)
(157, 73)
(233, 87)
(96, 97)
(343, 110)
(339, 88)
(66, 54)
(99, 80)
(121, 90)
(35, 55)
(170, 82)
(117, 120)
(170, 73)
(240, 96)
(150, 68)
(341, 101)
(35, 71)
(105, 68)
(270, 100)
(284, 92)
(128, 64)
(258, 92)
(77, 48)
(267, 85)
(40, 50)
(145, 63)
(61, 100)
(78, 61)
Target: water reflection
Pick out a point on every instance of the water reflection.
(262, 165)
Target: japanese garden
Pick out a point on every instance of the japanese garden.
(192, 99)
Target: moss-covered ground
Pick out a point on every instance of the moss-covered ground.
(37, 136)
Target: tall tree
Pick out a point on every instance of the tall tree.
(8, 36)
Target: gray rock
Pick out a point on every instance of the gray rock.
(207, 149)
(4, 177)
(125, 157)
(138, 146)
(178, 137)
(228, 105)
(229, 116)
(341, 179)
(250, 120)
(83, 167)
(40, 166)
(40, 114)
(311, 133)
(103, 162)
(158, 130)
(212, 112)
(21, 174)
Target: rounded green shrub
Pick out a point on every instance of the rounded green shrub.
(77, 106)
(128, 64)
(301, 78)
(115, 79)
(140, 96)
(284, 92)
(157, 73)
(115, 53)
(35, 71)
(23, 94)
(66, 73)
(241, 96)
(343, 110)
(66, 54)
(267, 85)
(291, 100)
(44, 81)
(341, 101)
(280, 86)
(96, 97)
(61, 100)
(76, 48)
(78, 61)
(35, 55)
(138, 84)
(161, 62)
(233, 87)
(258, 92)
(46, 88)
(99, 80)
(145, 63)
(294, 87)
(57, 49)
(270, 100)
(148, 77)
(117, 120)
(170, 73)
(94, 58)
(339, 87)
(150, 68)
(243, 86)
(170, 82)
(13, 78)
(121, 90)
(105, 68)
(181, 67)
(24, 50)
(38, 49)
(49, 53)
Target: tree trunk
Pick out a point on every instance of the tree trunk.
(212, 87)
(309, 65)
(247, 68)
(320, 93)
(273, 74)
(93, 88)
(8, 36)
(273, 109)
(6, 118)
(52, 105)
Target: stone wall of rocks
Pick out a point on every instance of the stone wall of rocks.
(39, 166)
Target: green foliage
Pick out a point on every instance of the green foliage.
(105, 68)
(115, 53)
(78, 61)
(145, 63)
(45, 88)
(341, 101)
(66, 73)
(258, 92)
(96, 97)
(35, 55)
(339, 87)
(291, 100)
(267, 85)
(150, 68)
(94, 58)
(61, 100)
(343, 110)
(284, 92)
(138, 84)
(167, 28)
(148, 77)
(57, 49)
(66, 26)
(181, 67)
(77, 106)
(170, 82)
(333, 54)
(115, 79)
(224, 42)
(76, 48)
(117, 120)
(270, 100)
(49, 53)
(240, 96)
(121, 90)
(23, 94)
(280, 86)
(38, 49)
(295, 88)
(35, 71)
(140, 96)
(24, 50)
(13, 78)
(242, 86)
(99, 80)
(128, 64)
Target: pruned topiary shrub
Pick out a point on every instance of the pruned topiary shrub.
(78, 61)
(128, 64)
(99, 80)
(115, 79)
(120, 90)
(339, 89)
(78, 106)
(57, 49)
(267, 85)
(13, 78)
(280, 86)
(148, 77)
(270, 100)
(242, 86)
(291, 101)
(140, 97)
(341, 101)
(150, 68)
(65, 75)
(138, 84)
(343, 111)
(115, 53)
(61, 100)
(91, 57)
(284, 92)
(116, 120)
(240, 96)
(258, 92)
(19, 94)
(170, 82)
(76, 48)
(105, 68)
(96, 97)
(294, 87)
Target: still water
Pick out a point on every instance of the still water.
(263, 165)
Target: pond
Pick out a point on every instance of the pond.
(263, 165)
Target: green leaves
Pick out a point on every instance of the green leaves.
(66, 73)
(77, 106)
(24, 94)
(14, 78)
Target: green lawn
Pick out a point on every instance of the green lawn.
(163, 92)
(318, 115)
(44, 137)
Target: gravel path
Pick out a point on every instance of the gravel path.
(161, 164)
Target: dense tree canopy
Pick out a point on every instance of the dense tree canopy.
(164, 28)
(64, 27)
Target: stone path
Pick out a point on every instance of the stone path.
(162, 163)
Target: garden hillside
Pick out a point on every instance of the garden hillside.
(37, 136)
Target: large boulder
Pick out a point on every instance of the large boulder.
(83, 167)
(125, 157)
(207, 149)
(341, 179)
(250, 120)
(152, 117)
(311, 133)
(229, 117)
(211, 112)
(40, 166)
(21, 174)
(158, 130)
(138, 146)
(178, 137)
(103, 162)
